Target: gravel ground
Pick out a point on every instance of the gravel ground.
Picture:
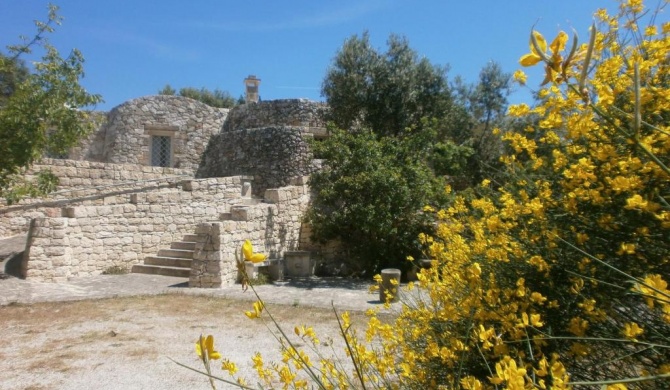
(127, 343)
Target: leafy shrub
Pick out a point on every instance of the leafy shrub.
(556, 277)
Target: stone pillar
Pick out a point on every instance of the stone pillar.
(390, 285)
(48, 255)
(206, 265)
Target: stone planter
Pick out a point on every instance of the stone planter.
(298, 264)
(389, 288)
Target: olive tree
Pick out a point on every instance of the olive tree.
(42, 110)
(384, 92)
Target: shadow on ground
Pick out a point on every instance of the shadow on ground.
(11, 256)
(330, 282)
(313, 282)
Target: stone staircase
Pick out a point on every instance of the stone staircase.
(175, 261)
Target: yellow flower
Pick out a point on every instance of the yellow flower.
(558, 45)
(257, 257)
(507, 371)
(520, 77)
(651, 31)
(626, 248)
(471, 383)
(553, 60)
(654, 287)
(286, 375)
(631, 330)
(618, 386)
(249, 255)
(636, 202)
(229, 366)
(542, 369)
(205, 348)
(346, 320)
(578, 326)
(247, 250)
(536, 297)
(257, 359)
(306, 331)
(534, 56)
(559, 375)
(532, 320)
(258, 308)
(634, 6)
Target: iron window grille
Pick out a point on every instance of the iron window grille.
(160, 150)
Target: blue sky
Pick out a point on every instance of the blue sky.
(133, 48)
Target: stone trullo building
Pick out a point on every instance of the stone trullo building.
(170, 185)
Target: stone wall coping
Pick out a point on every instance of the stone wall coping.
(168, 182)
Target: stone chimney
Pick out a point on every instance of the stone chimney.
(251, 83)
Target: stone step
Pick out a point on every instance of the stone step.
(189, 246)
(180, 253)
(190, 238)
(168, 261)
(164, 271)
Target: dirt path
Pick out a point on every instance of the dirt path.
(126, 343)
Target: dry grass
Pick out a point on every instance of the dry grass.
(57, 345)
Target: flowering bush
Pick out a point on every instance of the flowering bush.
(557, 278)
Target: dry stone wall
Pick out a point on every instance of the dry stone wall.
(272, 155)
(188, 122)
(117, 212)
(285, 112)
(86, 183)
(86, 240)
(273, 227)
(84, 175)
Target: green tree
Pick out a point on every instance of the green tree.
(370, 193)
(215, 98)
(167, 90)
(12, 74)
(385, 92)
(380, 171)
(486, 104)
(41, 110)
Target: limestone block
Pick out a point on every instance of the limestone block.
(60, 261)
(103, 210)
(271, 196)
(190, 185)
(59, 234)
(54, 251)
(59, 241)
(112, 241)
(129, 256)
(36, 251)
